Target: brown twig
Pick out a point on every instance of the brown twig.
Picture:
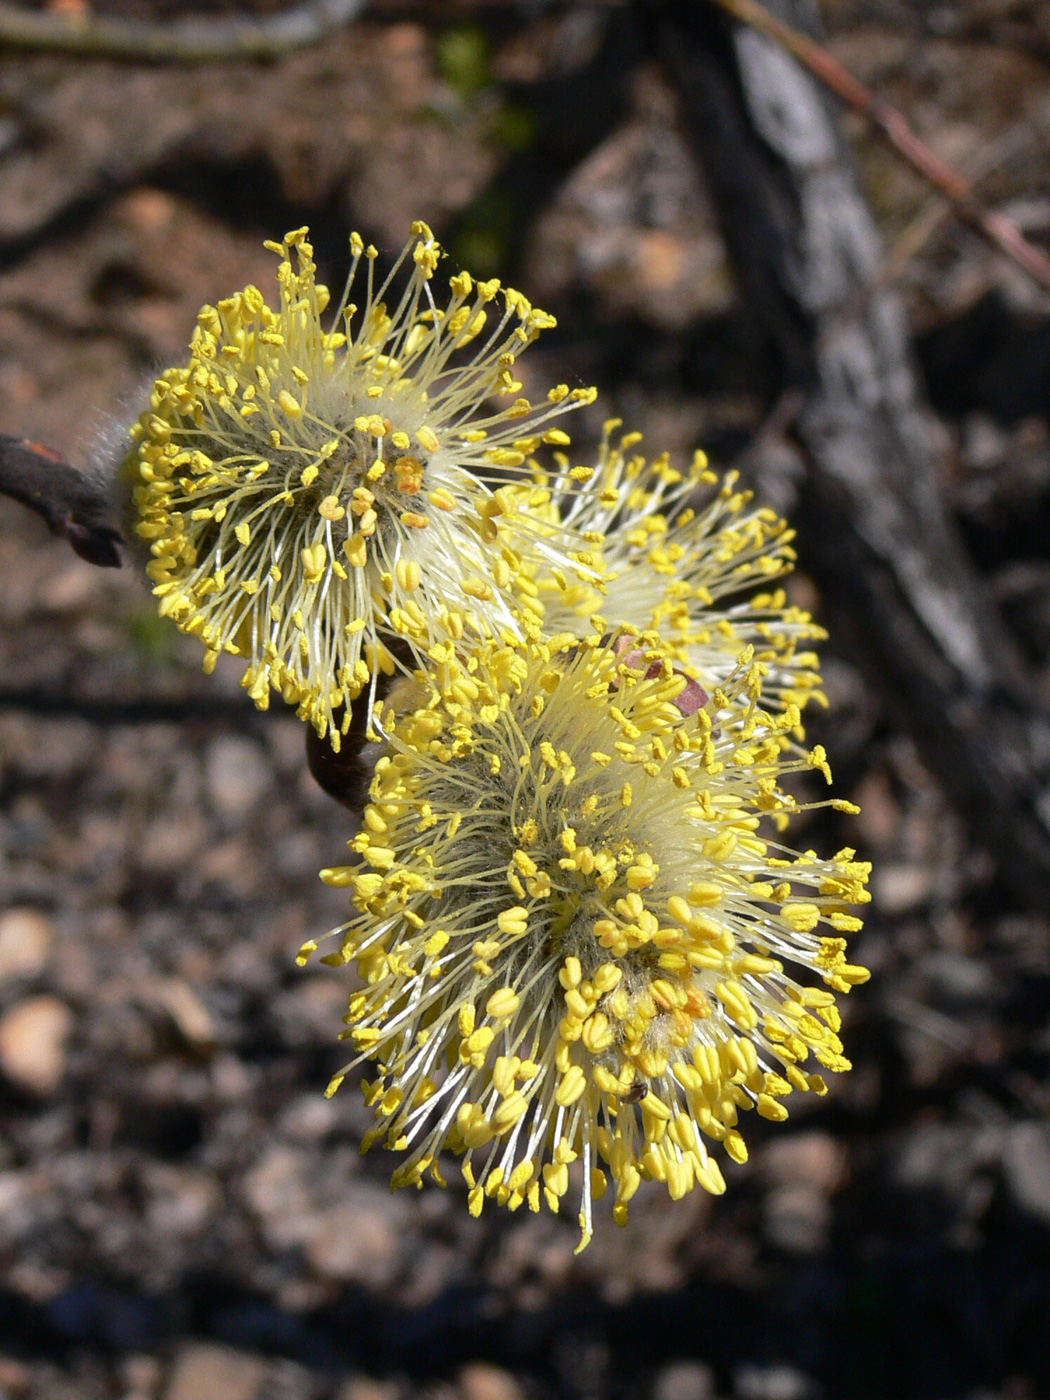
(183, 40)
(927, 224)
(1001, 231)
(72, 504)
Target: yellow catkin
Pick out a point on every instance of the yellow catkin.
(564, 977)
(707, 578)
(296, 438)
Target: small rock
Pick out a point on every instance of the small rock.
(237, 775)
(946, 1156)
(897, 889)
(192, 1018)
(366, 1388)
(181, 1200)
(771, 1383)
(18, 1210)
(479, 1381)
(33, 1043)
(360, 1238)
(232, 1079)
(39, 1284)
(141, 1376)
(26, 937)
(312, 1011)
(796, 1218)
(295, 854)
(15, 1377)
(812, 1159)
(285, 736)
(288, 1380)
(684, 1380)
(308, 1118)
(168, 844)
(1026, 1162)
(70, 589)
(149, 210)
(278, 1192)
(984, 443)
(215, 1373)
(232, 867)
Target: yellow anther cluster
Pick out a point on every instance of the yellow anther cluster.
(630, 998)
(671, 567)
(329, 503)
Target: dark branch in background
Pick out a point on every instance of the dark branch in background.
(873, 529)
(182, 41)
(72, 505)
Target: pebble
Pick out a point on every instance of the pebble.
(955, 977)
(33, 1043)
(277, 1190)
(237, 775)
(296, 855)
(771, 1383)
(149, 210)
(192, 1018)
(140, 1375)
(684, 1380)
(796, 1218)
(180, 1200)
(71, 589)
(17, 1213)
(945, 1156)
(1026, 1163)
(898, 889)
(215, 1373)
(309, 1118)
(15, 1377)
(360, 1238)
(169, 843)
(231, 866)
(479, 1381)
(367, 1388)
(26, 937)
(813, 1159)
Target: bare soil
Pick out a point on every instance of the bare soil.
(182, 1214)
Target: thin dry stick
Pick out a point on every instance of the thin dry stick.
(928, 221)
(184, 40)
(1001, 231)
(927, 224)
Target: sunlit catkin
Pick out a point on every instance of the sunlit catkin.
(584, 953)
(687, 554)
(326, 496)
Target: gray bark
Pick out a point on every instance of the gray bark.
(874, 530)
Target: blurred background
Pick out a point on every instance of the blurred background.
(183, 1216)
